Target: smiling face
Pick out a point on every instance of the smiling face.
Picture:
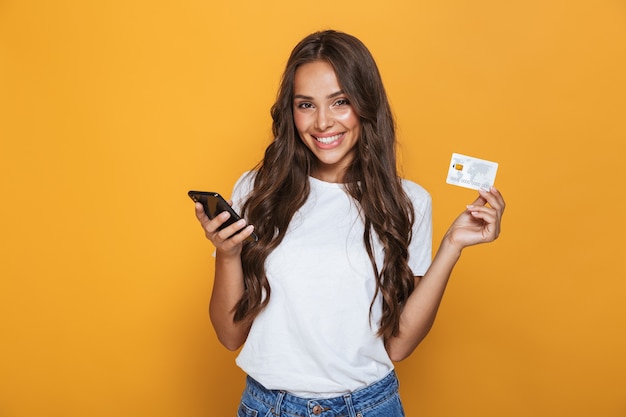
(325, 120)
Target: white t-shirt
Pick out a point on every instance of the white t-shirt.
(316, 338)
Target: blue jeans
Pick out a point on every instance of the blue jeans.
(380, 399)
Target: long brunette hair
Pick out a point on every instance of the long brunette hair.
(281, 183)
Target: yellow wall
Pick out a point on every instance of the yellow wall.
(110, 111)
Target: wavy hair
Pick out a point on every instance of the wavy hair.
(281, 183)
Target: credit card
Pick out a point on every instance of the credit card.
(469, 172)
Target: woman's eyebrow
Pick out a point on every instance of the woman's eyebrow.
(338, 93)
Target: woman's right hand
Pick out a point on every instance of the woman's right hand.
(226, 241)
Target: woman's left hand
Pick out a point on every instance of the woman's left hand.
(480, 222)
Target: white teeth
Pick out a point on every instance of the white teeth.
(329, 139)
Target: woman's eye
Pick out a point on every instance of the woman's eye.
(342, 102)
(305, 105)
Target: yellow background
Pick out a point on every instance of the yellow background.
(111, 110)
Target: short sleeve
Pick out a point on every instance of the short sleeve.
(420, 247)
(242, 189)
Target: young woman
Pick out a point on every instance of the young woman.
(340, 283)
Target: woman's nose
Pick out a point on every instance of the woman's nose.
(323, 119)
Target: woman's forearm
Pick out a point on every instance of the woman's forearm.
(228, 288)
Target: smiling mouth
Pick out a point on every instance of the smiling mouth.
(329, 139)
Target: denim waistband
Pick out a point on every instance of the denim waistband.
(343, 405)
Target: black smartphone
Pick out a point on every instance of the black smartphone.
(215, 204)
